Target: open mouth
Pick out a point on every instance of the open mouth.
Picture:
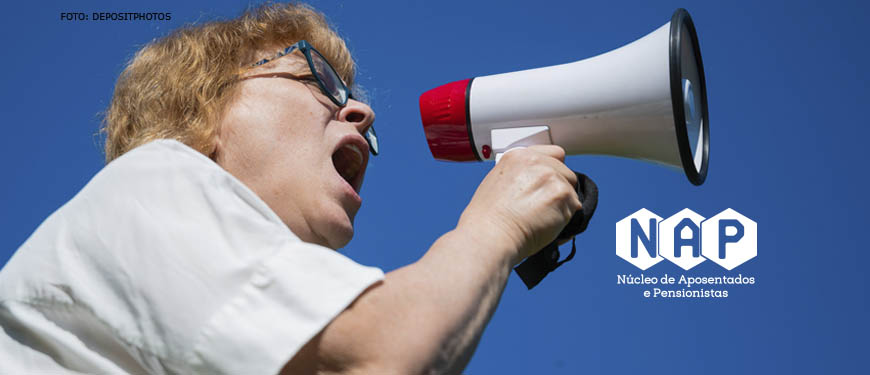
(349, 160)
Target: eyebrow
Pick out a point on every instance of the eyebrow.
(285, 60)
(281, 73)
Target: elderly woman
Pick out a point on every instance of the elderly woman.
(236, 153)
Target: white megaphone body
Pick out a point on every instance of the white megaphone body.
(646, 100)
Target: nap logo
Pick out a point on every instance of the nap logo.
(686, 239)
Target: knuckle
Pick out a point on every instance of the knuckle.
(531, 156)
(572, 178)
(567, 191)
(516, 155)
(557, 177)
(561, 191)
(549, 175)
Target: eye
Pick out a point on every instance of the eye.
(304, 78)
(308, 78)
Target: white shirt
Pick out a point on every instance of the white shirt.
(165, 263)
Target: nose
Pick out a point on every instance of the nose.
(357, 113)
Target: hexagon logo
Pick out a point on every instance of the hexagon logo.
(680, 239)
(636, 240)
(729, 239)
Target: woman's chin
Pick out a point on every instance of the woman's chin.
(341, 240)
(338, 233)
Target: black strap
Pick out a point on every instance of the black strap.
(537, 266)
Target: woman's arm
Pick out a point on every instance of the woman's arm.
(427, 317)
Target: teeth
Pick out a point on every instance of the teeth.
(348, 162)
(355, 149)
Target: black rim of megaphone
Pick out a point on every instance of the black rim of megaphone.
(680, 20)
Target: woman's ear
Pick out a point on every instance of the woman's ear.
(215, 148)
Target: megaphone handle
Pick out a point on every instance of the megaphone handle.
(537, 266)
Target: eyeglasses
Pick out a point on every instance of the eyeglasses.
(328, 80)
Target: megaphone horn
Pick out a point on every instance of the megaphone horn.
(646, 100)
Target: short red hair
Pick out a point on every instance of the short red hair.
(177, 86)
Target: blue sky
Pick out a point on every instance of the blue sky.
(787, 84)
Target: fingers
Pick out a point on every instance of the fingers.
(553, 157)
(552, 151)
(567, 173)
(558, 153)
(556, 156)
(531, 193)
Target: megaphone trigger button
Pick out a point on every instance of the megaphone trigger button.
(486, 151)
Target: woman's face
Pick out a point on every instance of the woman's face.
(297, 150)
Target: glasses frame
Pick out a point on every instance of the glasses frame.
(306, 48)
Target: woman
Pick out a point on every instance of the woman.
(236, 152)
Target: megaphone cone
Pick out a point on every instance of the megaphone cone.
(646, 100)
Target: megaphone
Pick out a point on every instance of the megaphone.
(646, 100)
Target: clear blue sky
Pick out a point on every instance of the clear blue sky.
(787, 86)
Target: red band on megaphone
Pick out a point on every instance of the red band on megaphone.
(445, 121)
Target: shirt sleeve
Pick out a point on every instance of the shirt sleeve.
(289, 298)
(166, 263)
